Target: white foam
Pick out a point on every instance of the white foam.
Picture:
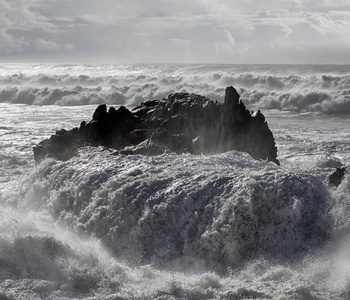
(297, 88)
(182, 213)
(218, 208)
(128, 227)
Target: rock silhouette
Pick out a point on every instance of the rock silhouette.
(337, 176)
(182, 123)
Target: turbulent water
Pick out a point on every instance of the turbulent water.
(221, 226)
(294, 88)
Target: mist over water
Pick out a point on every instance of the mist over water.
(174, 226)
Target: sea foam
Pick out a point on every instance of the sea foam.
(215, 210)
(291, 88)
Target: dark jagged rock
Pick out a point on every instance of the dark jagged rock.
(337, 177)
(182, 123)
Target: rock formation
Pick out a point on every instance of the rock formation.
(337, 176)
(181, 123)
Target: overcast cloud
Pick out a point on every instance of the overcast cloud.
(182, 31)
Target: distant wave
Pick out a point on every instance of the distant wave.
(267, 87)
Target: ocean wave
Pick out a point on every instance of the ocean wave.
(260, 88)
(37, 262)
(215, 210)
(327, 102)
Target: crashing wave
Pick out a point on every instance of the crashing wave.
(294, 89)
(215, 209)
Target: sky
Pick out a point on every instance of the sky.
(175, 31)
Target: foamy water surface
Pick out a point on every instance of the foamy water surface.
(219, 226)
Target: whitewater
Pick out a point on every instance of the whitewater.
(220, 226)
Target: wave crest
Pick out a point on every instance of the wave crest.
(182, 208)
(262, 88)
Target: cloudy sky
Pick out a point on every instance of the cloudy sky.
(181, 31)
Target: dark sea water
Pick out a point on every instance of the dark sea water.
(221, 226)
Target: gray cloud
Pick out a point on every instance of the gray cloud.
(176, 30)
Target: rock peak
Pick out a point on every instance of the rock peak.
(231, 97)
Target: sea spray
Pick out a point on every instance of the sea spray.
(85, 265)
(216, 209)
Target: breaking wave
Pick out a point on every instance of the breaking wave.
(216, 210)
(291, 88)
(173, 226)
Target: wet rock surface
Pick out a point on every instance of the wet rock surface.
(337, 176)
(182, 123)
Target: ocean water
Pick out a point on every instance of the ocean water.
(221, 226)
